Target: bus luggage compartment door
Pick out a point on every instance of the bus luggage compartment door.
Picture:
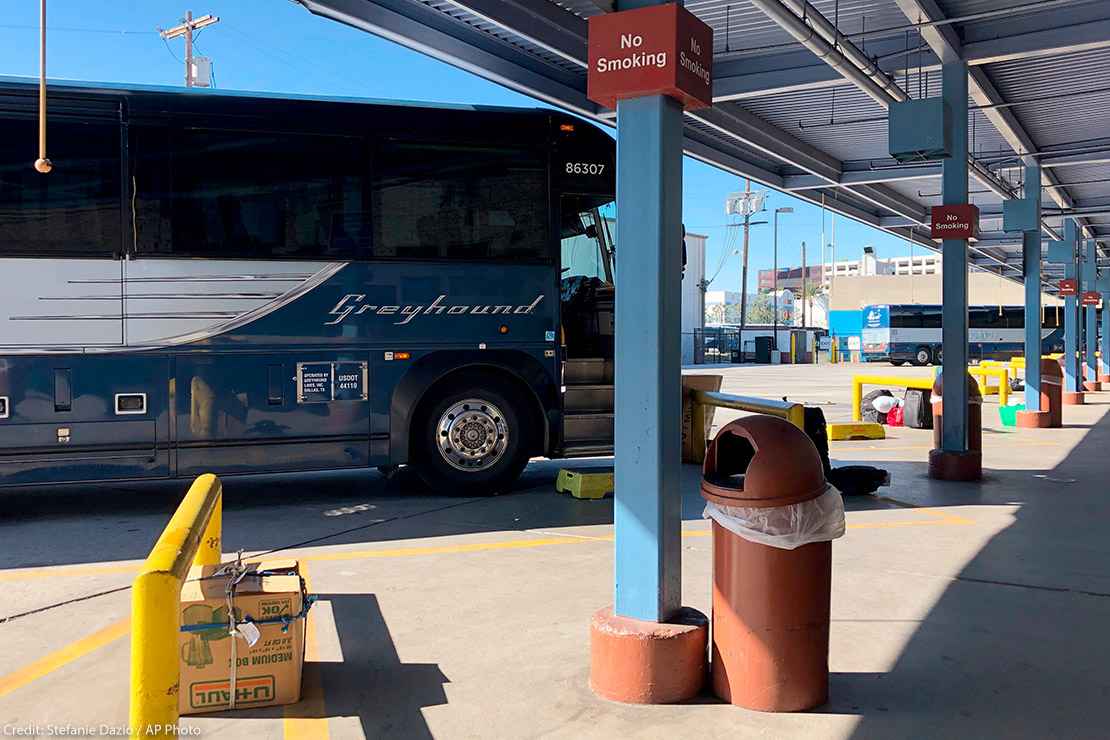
(73, 418)
(248, 413)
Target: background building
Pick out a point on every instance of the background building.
(694, 295)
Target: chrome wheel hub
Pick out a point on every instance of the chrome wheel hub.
(472, 435)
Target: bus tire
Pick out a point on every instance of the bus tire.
(938, 356)
(470, 439)
(922, 356)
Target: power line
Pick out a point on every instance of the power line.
(76, 29)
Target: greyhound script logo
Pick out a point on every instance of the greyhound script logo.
(352, 305)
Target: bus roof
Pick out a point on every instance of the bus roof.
(22, 84)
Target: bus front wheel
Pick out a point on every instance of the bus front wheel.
(922, 356)
(470, 439)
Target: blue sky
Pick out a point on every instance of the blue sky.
(278, 46)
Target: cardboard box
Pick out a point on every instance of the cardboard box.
(267, 672)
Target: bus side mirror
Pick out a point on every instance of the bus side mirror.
(591, 231)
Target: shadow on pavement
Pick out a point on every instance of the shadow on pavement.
(1016, 644)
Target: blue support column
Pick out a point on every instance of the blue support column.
(648, 434)
(1090, 275)
(954, 264)
(1031, 262)
(1071, 316)
(1104, 345)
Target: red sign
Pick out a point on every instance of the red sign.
(1090, 298)
(1068, 287)
(955, 222)
(657, 50)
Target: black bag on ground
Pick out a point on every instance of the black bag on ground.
(817, 430)
(918, 408)
(867, 407)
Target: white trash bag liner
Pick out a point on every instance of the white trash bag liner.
(786, 527)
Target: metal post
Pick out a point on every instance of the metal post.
(647, 509)
(1090, 280)
(1031, 261)
(775, 288)
(1071, 318)
(1104, 345)
(954, 264)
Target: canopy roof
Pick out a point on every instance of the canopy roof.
(802, 108)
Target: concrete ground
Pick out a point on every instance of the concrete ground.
(958, 610)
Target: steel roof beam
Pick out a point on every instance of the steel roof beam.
(422, 29)
(753, 131)
(1050, 33)
(863, 177)
(817, 34)
(544, 24)
(945, 43)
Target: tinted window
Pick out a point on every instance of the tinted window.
(454, 202)
(986, 317)
(230, 194)
(907, 318)
(73, 210)
(931, 318)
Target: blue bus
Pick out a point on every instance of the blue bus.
(241, 283)
(912, 333)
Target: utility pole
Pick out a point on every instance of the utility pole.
(744, 267)
(745, 204)
(186, 28)
(803, 284)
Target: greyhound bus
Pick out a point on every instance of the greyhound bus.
(242, 283)
(912, 333)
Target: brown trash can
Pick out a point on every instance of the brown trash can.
(974, 414)
(1052, 391)
(770, 623)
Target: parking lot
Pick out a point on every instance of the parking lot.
(959, 610)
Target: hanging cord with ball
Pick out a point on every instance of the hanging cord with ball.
(43, 163)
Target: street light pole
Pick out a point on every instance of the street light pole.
(775, 281)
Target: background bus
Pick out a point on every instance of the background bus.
(239, 283)
(912, 333)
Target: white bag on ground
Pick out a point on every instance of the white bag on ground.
(786, 527)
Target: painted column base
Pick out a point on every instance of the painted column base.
(956, 466)
(639, 662)
(1034, 419)
(1092, 386)
(1104, 379)
(1072, 398)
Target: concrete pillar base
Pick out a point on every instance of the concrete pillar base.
(1072, 398)
(956, 466)
(640, 662)
(1104, 379)
(1092, 386)
(1034, 419)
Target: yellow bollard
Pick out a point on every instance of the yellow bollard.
(192, 537)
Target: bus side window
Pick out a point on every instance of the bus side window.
(434, 201)
(235, 194)
(74, 210)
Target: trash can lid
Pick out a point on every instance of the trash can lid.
(973, 393)
(761, 462)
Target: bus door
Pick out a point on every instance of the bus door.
(587, 312)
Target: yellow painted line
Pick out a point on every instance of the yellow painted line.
(308, 719)
(404, 552)
(54, 571)
(64, 656)
(396, 552)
